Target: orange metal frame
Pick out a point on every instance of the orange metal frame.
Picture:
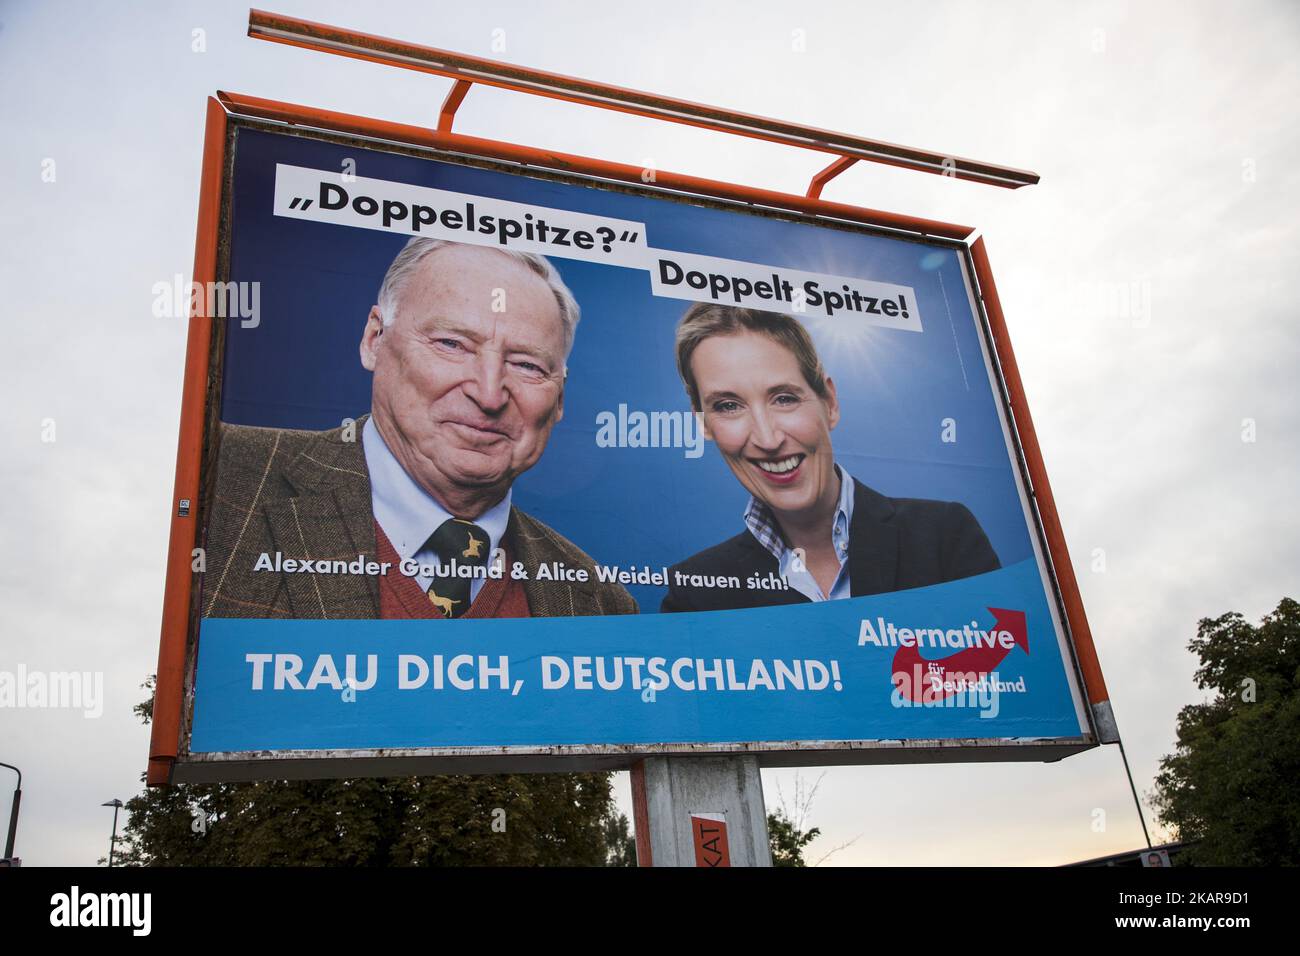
(168, 698)
(177, 610)
(466, 69)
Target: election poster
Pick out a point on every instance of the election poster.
(504, 463)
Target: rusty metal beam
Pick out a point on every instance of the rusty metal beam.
(278, 28)
(566, 162)
(826, 175)
(452, 103)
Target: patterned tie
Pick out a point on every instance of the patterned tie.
(467, 544)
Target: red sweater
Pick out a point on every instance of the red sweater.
(402, 597)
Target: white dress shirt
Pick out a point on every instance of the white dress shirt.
(409, 515)
(762, 525)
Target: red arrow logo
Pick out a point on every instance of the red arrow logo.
(923, 680)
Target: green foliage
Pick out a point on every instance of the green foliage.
(1231, 782)
(620, 847)
(506, 820)
(787, 840)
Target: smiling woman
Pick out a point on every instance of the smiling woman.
(770, 407)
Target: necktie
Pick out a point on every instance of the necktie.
(466, 544)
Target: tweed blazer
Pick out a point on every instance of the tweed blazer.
(306, 494)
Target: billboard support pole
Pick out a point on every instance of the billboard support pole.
(699, 811)
(1133, 786)
(13, 813)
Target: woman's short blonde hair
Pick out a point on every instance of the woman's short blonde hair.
(707, 319)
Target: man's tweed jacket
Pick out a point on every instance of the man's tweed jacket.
(306, 494)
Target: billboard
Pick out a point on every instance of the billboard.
(510, 469)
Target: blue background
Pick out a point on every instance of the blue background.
(229, 716)
(629, 506)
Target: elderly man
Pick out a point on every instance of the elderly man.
(407, 513)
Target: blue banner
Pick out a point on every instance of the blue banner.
(771, 674)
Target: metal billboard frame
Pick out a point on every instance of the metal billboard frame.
(169, 760)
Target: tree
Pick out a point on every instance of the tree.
(1230, 784)
(506, 820)
(620, 847)
(787, 840)
(786, 833)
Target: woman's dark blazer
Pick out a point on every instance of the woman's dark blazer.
(894, 544)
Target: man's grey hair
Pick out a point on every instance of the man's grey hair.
(420, 247)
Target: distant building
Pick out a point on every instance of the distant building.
(1138, 858)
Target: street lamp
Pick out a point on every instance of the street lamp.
(13, 814)
(116, 805)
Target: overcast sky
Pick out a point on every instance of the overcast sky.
(1149, 284)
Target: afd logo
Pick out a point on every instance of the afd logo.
(967, 675)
